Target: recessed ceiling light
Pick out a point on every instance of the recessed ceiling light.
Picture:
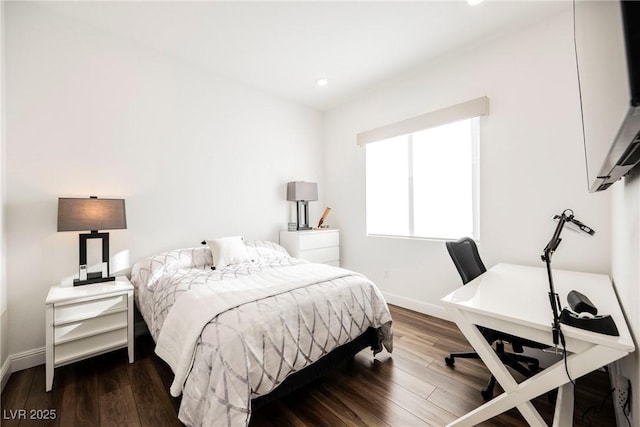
(474, 2)
(322, 82)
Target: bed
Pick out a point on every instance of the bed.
(241, 335)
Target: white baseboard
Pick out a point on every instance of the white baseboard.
(27, 359)
(5, 373)
(419, 306)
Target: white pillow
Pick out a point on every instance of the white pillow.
(228, 251)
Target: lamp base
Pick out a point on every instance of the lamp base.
(93, 278)
(303, 215)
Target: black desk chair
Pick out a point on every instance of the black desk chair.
(466, 258)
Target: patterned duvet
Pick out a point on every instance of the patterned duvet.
(247, 351)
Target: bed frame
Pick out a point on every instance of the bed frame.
(337, 357)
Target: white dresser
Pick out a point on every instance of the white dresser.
(322, 246)
(84, 321)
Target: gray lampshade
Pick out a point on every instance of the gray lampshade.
(302, 191)
(91, 214)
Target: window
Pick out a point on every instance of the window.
(424, 183)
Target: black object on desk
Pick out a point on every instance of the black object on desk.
(584, 315)
(580, 303)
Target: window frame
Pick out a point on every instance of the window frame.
(473, 109)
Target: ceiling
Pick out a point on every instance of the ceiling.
(284, 47)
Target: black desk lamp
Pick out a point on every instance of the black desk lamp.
(92, 214)
(603, 324)
(565, 217)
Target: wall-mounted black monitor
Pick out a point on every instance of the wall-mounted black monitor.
(607, 36)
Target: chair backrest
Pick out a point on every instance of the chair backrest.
(466, 258)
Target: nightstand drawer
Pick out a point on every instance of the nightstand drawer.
(78, 349)
(81, 310)
(321, 255)
(93, 326)
(320, 239)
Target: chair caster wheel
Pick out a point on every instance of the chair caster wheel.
(449, 361)
(487, 394)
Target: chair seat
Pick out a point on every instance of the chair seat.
(492, 335)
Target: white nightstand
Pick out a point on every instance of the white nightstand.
(84, 321)
(321, 246)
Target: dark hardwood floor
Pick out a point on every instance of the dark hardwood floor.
(411, 387)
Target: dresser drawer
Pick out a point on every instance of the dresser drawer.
(321, 255)
(321, 246)
(83, 328)
(70, 312)
(80, 348)
(320, 239)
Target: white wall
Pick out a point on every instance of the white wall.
(194, 155)
(626, 270)
(532, 164)
(4, 350)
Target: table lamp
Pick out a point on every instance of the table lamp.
(92, 214)
(302, 193)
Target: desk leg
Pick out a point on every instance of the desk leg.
(520, 395)
(500, 404)
(563, 415)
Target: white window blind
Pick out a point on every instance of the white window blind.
(465, 110)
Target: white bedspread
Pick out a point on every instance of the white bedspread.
(248, 350)
(194, 309)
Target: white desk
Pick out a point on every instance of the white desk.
(514, 299)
